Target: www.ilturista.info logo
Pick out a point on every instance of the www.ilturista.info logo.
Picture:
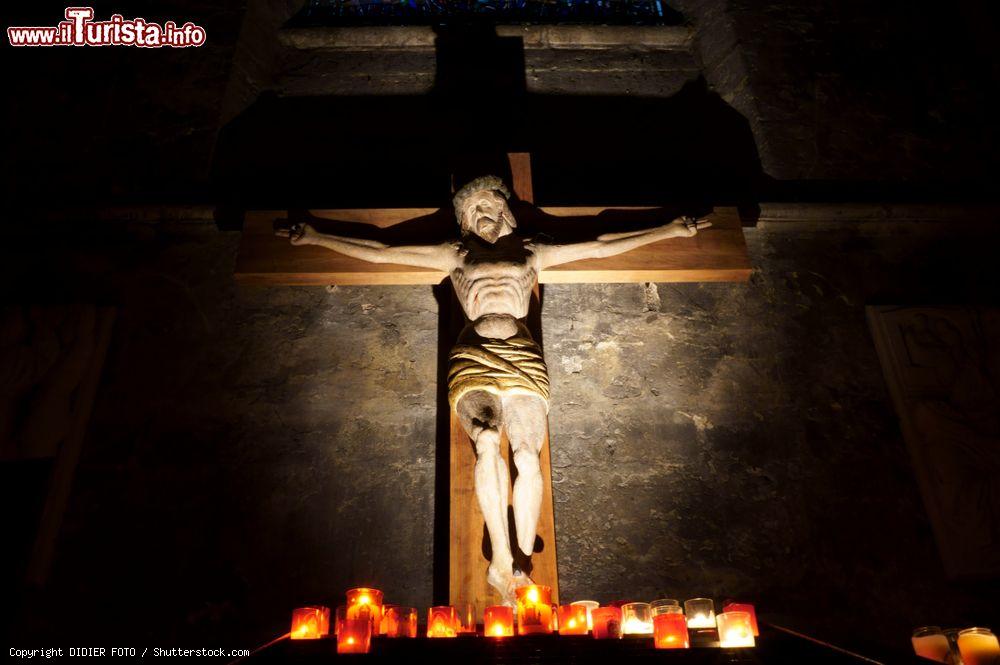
(79, 29)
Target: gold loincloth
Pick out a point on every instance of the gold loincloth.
(498, 366)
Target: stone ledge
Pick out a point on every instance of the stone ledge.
(403, 38)
(784, 212)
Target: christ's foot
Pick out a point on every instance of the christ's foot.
(502, 579)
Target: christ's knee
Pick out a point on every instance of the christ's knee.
(526, 461)
(487, 443)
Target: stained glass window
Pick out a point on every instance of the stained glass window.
(411, 12)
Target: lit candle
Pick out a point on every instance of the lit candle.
(700, 613)
(534, 609)
(498, 621)
(670, 629)
(637, 619)
(367, 600)
(572, 620)
(591, 605)
(607, 623)
(338, 620)
(744, 607)
(442, 621)
(399, 621)
(735, 630)
(663, 605)
(978, 646)
(355, 635)
(929, 642)
(310, 623)
(467, 619)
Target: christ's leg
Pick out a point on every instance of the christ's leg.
(480, 414)
(526, 420)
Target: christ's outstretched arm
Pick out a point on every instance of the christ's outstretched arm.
(438, 257)
(611, 244)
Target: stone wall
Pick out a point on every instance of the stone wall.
(254, 449)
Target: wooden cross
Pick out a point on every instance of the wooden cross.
(716, 254)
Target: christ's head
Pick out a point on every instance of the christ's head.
(481, 208)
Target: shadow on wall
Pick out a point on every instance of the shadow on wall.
(403, 151)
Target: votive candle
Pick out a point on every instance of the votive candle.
(572, 620)
(663, 605)
(534, 609)
(310, 623)
(978, 646)
(591, 605)
(498, 621)
(670, 629)
(931, 643)
(735, 630)
(355, 635)
(442, 621)
(700, 613)
(467, 618)
(744, 607)
(365, 597)
(607, 623)
(637, 619)
(399, 621)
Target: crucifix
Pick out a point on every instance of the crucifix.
(498, 388)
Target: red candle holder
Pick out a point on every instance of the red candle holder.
(364, 599)
(442, 621)
(466, 619)
(399, 621)
(310, 623)
(670, 631)
(744, 607)
(572, 620)
(355, 635)
(534, 609)
(340, 616)
(498, 621)
(607, 623)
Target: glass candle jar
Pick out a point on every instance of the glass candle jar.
(663, 605)
(744, 607)
(467, 619)
(365, 599)
(498, 621)
(355, 635)
(978, 646)
(534, 609)
(607, 623)
(670, 629)
(591, 605)
(310, 623)
(700, 613)
(637, 619)
(930, 642)
(399, 621)
(572, 620)
(735, 630)
(442, 621)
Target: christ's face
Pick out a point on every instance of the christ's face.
(487, 215)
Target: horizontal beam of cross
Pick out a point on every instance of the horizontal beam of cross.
(717, 254)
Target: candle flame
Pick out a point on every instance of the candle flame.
(533, 595)
(498, 630)
(350, 640)
(364, 600)
(571, 623)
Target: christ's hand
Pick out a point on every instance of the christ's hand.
(297, 234)
(685, 227)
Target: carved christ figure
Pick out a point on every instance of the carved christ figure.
(497, 379)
